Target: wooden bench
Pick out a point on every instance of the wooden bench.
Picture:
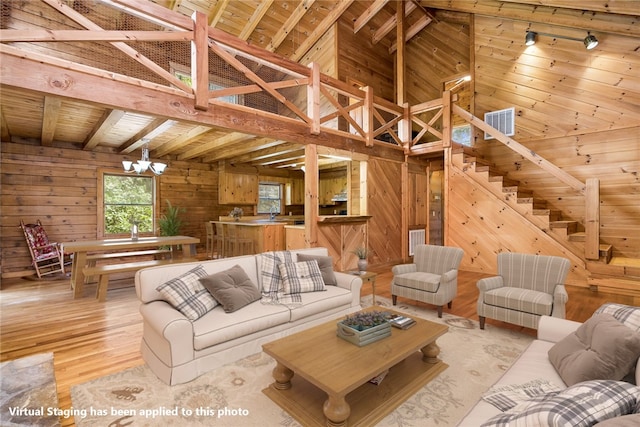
(92, 258)
(103, 271)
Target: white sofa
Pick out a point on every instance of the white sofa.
(533, 364)
(179, 350)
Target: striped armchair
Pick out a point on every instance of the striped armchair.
(527, 287)
(432, 278)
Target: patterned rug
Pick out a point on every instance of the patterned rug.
(28, 394)
(231, 395)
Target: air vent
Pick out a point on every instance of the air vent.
(503, 120)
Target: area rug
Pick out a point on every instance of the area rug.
(231, 395)
(28, 394)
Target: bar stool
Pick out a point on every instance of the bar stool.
(209, 227)
(220, 239)
(238, 245)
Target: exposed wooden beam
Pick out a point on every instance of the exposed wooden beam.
(147, 133)
(391, 23)
(182, 140)
(84, 35)
(227, 140)
(50, 116)
(109, 119)
(289, 24)
(322, 28)
(412, 31)
(258, 14)
(368, 14)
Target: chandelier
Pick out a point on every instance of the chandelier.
(143, 165)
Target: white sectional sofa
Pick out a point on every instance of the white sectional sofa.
(533, 365)
(178, 349)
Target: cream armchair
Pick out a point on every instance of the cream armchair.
(527, 287)
(432, 278)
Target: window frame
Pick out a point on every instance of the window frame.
(100, 231)
(280, 199)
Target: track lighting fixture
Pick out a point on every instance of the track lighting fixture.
(589, 42)
(530, 38)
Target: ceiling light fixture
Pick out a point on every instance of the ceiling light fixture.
(589, 42)
(530, 38)
(143, 165)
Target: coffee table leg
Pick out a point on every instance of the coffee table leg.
(430, 353)
(283, 376)
(337, 410)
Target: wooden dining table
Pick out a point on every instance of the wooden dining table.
(80, 250)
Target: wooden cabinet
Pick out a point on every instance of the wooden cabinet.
(294, 192)
(237, 185)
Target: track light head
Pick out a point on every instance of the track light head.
(530, 38)
(590, 41)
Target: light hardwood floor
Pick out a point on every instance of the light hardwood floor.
(90, 339)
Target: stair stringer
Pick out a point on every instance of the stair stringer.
(483, 225)
(526, 209)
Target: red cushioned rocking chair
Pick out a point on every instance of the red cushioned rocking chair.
(47, 258)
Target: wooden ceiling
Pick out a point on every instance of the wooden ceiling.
(286, 28)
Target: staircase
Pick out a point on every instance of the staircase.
(621, 276)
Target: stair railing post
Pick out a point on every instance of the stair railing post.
(592, 219)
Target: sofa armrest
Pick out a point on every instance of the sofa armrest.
(172, 326)
(554, 329)
(404, 268)
(351, 283)
(489, 283)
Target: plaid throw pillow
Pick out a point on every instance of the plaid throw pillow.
(303, 276)
(187, 295)
(626, 314)
(581, 405)
(507, 396)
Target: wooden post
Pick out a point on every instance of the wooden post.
(367, 116)
(311, 208)
(592, 219)
(313, 98)
(200, 61)
(446, 119)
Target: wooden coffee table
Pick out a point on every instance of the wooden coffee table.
(321, 379)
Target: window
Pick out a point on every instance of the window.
(269, 198)
(462, 135)
(126, 198)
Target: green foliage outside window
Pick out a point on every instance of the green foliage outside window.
(128, 199)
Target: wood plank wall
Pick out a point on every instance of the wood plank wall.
(58, 186)
(574, 107)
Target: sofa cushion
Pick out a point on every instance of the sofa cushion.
(601, 348)
(525, 300)
(320, 303)
(419, 280)
(232, 288)
(582, 404)
(186, 294)
(303, 276)
(326, 267)
(217, 326)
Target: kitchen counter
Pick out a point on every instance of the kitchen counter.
(266, 235)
